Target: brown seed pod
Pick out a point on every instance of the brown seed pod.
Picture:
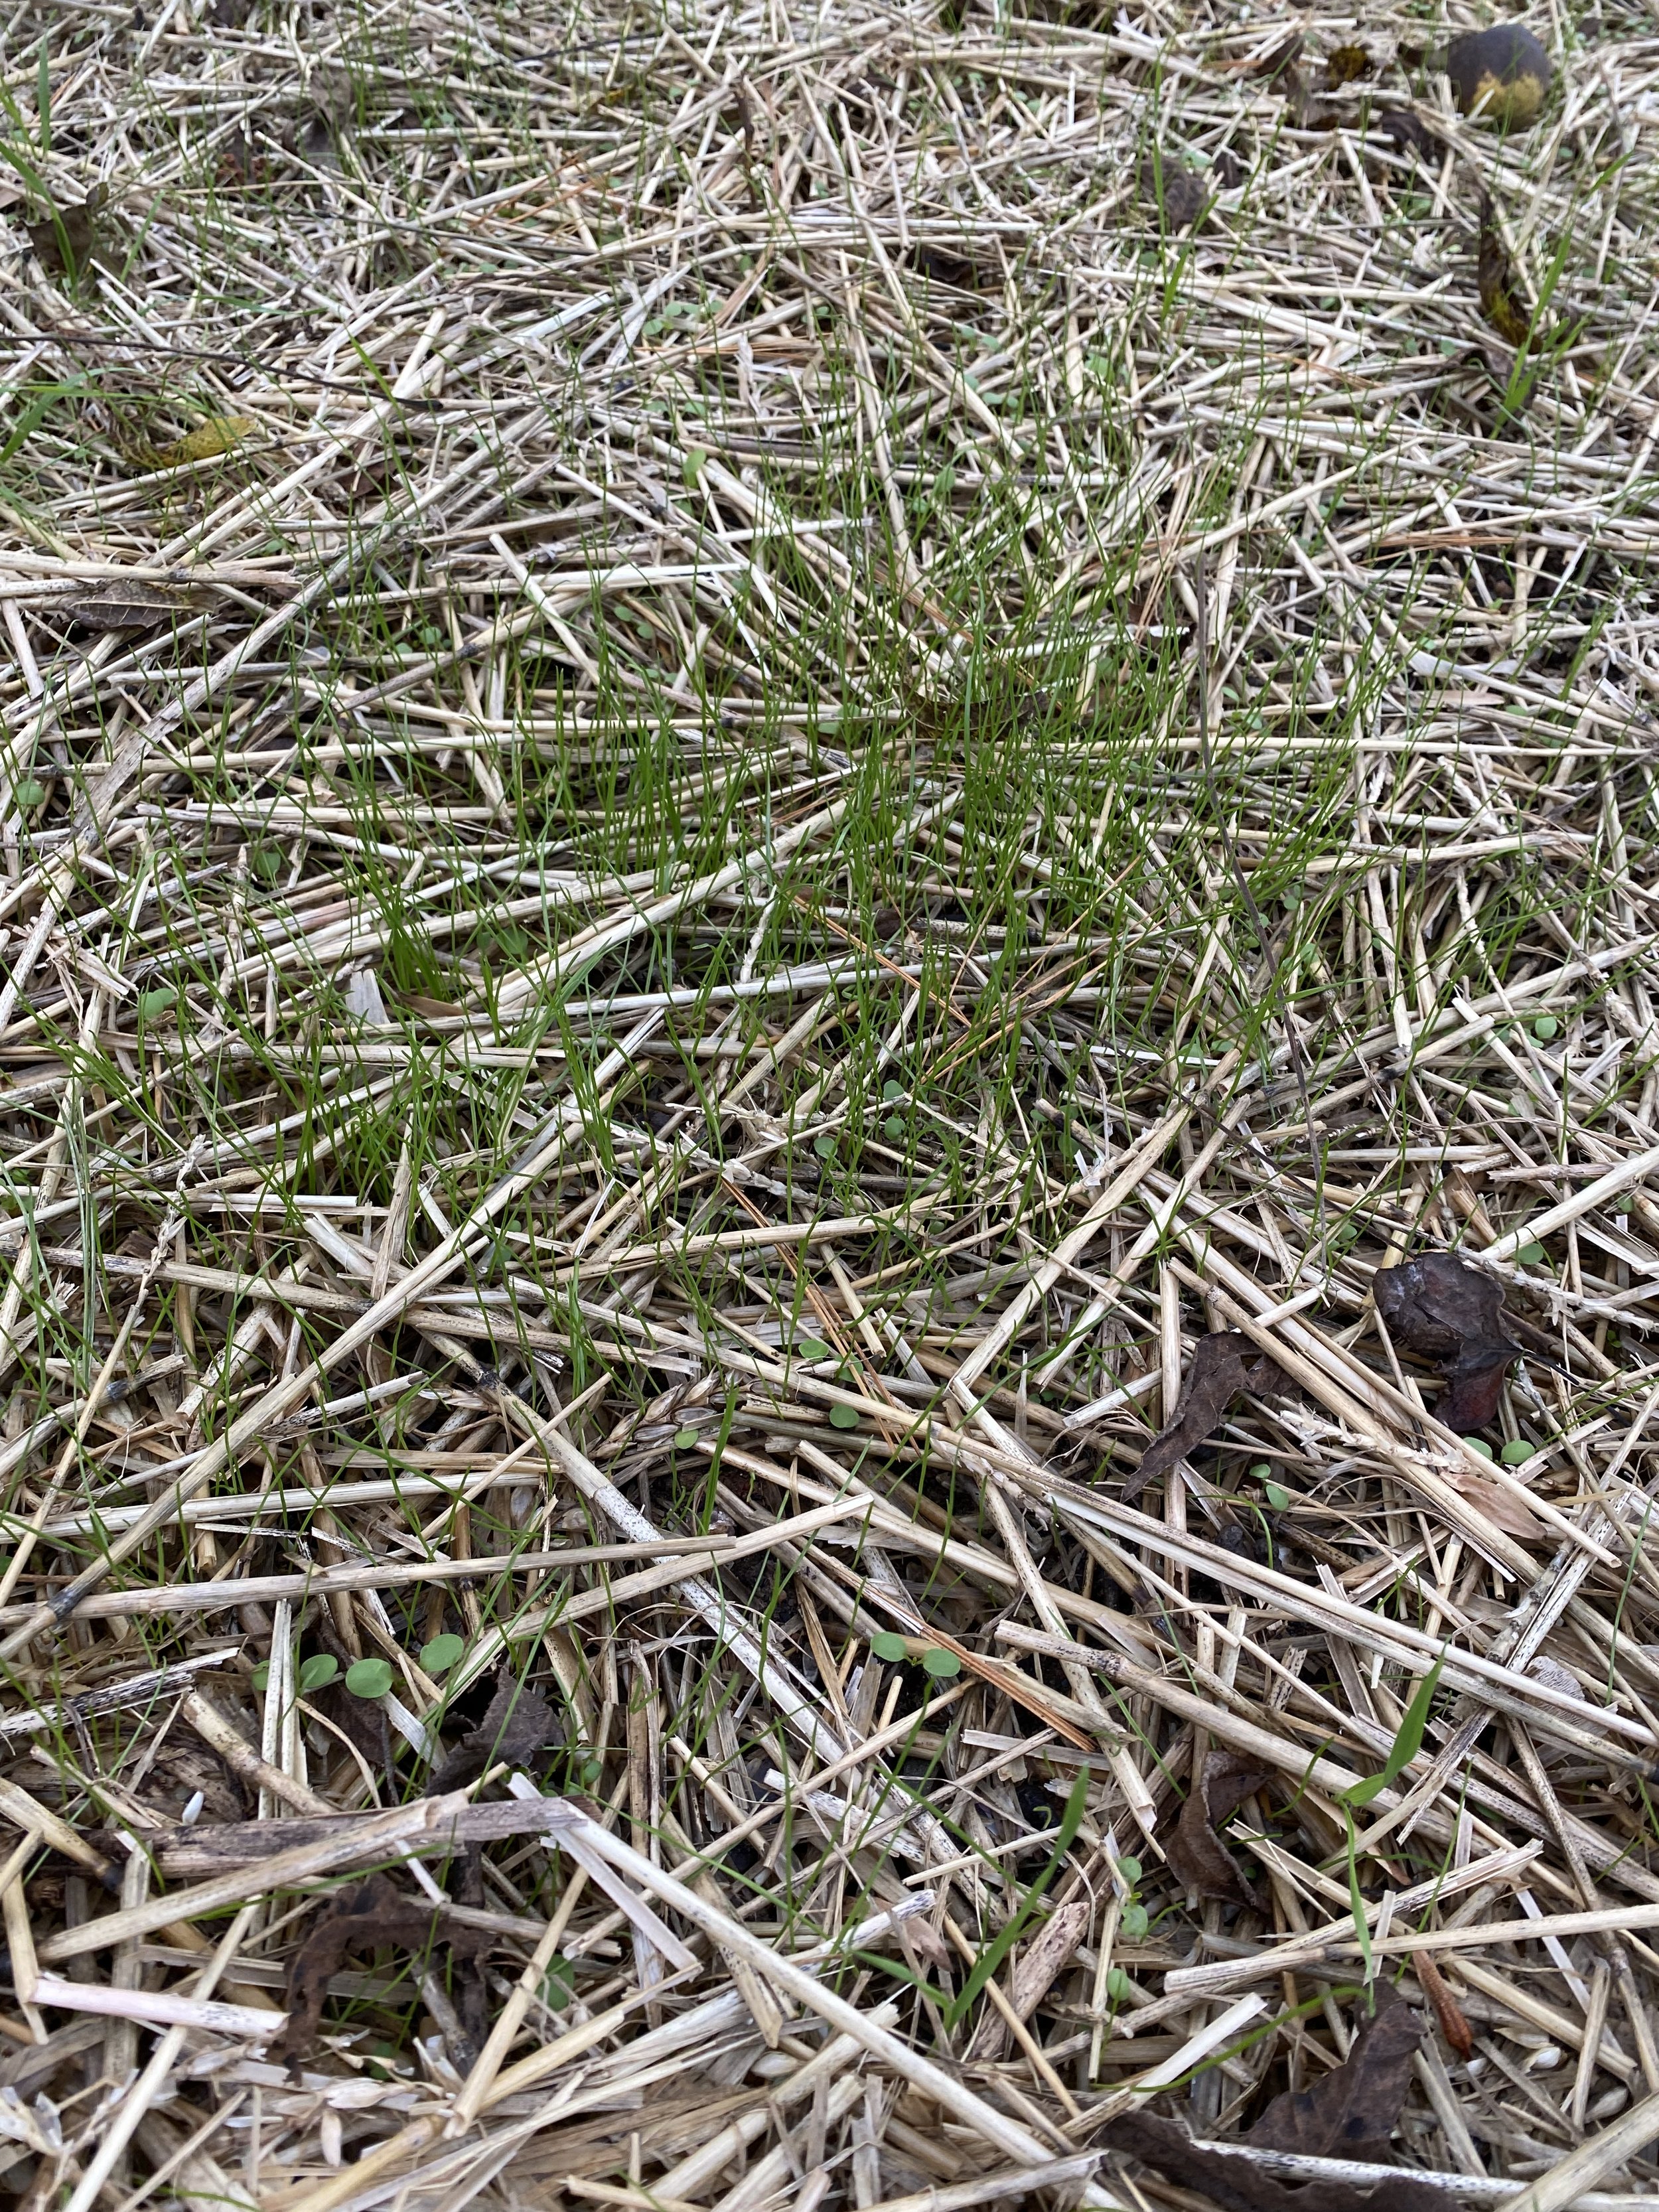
(1501, 74)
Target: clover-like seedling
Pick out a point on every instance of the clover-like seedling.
(438, 1657)
(369, 1679)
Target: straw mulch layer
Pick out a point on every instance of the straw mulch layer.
(767, 778)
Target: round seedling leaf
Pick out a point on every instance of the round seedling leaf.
(29, 793)
(811, 1347)
(824, 1147)
(1545, 1027)
(1130, 1868)
(1260, 1470)
(152, 1003)
(1531, 1256)
(843, 1416)
(893, 1129)
(1118, 1985)
(268, 862)
(884, 1645)
(438, 1657)
(891, 1090)
(591, 1770)
(369, 1678)
(1276, 1495)
(262, 1677)
(941, 1664)
(696, 462)
(684, 1438)
(1135, 1920)
(1478, 1447)
(1517, 1452)
(318, 1672)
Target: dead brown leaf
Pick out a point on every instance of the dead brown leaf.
(1500, 302)
(373, 1915)
(1454, 2021)
(1283, 56)
(1343, 64)
(1441, 1307)
(1350, 2112)
(1408, 134)
(1223, 1365)
(1196, 1854)
(518, 1725)
(1239, 2186)
(65, 242)
(1177, 196)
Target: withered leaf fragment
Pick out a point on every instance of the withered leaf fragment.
(1223, 1365)
(1343, 64)
(1196, 1854)
(361, 1919)
(1350, 2112)
(1177, 196)
(1237, 2185)
(1500, 302)
(518, 1725)
(1283, 56)
(64, 243)
(1441, 1307)
(1454, 2020)
(1408, 133)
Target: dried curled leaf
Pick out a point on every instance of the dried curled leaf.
(1441, 1307)
(1408, 134)
(374, 1914)
(518, 1725)
(1196, 1854)
(1223, 1365)
(1237, 2185)
(1454, 2021)
(1500, 303)
(219, 433)
(1172, 191)
(66, 240)
(1344, 64)
(1350, 2112)
(1283, 56)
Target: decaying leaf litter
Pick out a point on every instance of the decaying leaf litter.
(665, 993)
